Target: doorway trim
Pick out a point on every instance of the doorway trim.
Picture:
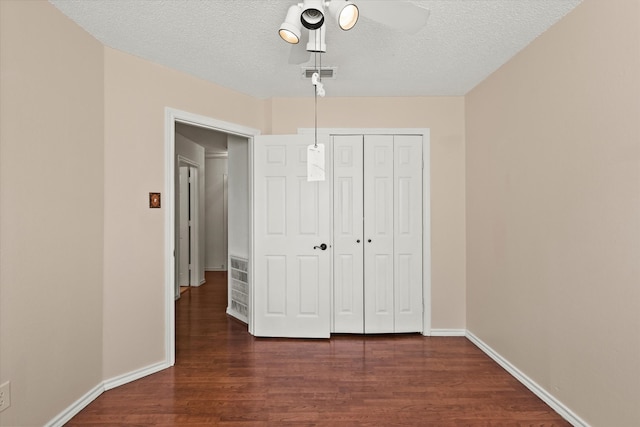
(426, 201)
(172, 116)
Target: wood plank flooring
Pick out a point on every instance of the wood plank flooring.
(225, 377)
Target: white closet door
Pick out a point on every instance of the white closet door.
(292, 279)
(408, 233)
(348, 300)
(378, 234)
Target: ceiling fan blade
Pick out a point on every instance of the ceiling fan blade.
(298, 54)
(400, 15)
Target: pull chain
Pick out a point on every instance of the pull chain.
(315, 140)
(315, 103)
(315, 89)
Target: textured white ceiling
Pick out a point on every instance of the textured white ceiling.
(236, 44)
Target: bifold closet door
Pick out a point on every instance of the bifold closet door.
(407, 239)
(378, 234)
(377, 216)
(348, 303)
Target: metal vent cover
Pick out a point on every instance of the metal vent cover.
(325, 72)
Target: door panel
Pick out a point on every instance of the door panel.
(291, 279)
(408, 233)
(348, 302)
(378, 234)
(276, 210)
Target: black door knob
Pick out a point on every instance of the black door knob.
(358, 241)
(322, 246)
(369, 240)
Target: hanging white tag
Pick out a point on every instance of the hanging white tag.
(315, 163)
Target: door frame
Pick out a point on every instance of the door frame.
(172, 116)
(426, 201)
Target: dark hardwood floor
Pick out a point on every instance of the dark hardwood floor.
(224, 376)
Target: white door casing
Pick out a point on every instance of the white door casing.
(291, 217)
(172, 116)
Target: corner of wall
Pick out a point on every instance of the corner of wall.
(267, 125)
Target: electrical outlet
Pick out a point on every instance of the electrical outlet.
(5, 396)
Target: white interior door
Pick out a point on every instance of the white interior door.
(348, 241)
(183, 227)
(408, 233)
(378, 234)
(292, 219)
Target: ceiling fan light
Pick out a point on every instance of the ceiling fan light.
(345, 12)
(312, 16)
(290, 29)
(289, 36)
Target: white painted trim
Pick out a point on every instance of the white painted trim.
(536, 389)
(426, 231)
(237, 316)
(366, 131)
(169, 235)
(63, 417)
(171, 116)
(215, 269)
(216, 155)
(448, 332)
(252, 254)
(134, 375)
(187, 161)
(426, 200)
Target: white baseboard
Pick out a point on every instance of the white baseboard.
(237, 316)
(448, 332)
(134, 375)
(536, 389)
(63, 417)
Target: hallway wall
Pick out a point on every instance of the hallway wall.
(215, 208)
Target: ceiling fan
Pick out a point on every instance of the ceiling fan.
(310, 14)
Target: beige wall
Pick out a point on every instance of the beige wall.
(445, 118)
(553, 211)
(51, 211)
(136, 94)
